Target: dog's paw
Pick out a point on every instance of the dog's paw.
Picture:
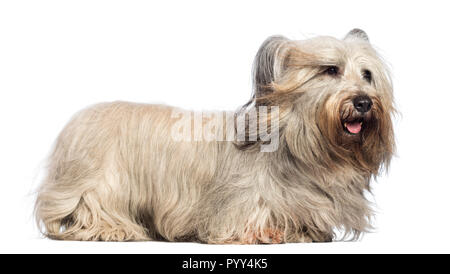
(270, 236)
(264, 236)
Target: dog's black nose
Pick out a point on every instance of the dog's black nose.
(362, 103)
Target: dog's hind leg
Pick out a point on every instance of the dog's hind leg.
(79, 201)
(86, 215)
(91, 221)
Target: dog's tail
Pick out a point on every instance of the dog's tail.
(53, 209)
(69, 176)
(60, 194)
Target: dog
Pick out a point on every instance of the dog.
(117, 172)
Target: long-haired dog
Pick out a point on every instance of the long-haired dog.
(117, 173)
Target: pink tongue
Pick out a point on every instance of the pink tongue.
(354, 127)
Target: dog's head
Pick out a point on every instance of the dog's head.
(335, 98)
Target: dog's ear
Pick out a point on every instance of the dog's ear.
(268, 64)
(268, 67)
(357, 34)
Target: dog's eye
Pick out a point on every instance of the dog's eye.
(332, 70)
(367, 75)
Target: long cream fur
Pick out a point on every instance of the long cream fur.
(115, 173)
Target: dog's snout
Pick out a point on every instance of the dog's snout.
(362, 103)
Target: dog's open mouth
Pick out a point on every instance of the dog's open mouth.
(353, 127)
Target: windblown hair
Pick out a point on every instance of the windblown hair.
(115, 175)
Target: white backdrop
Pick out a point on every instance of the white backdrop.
(59, 56)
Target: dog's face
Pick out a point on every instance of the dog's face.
(337, 97)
